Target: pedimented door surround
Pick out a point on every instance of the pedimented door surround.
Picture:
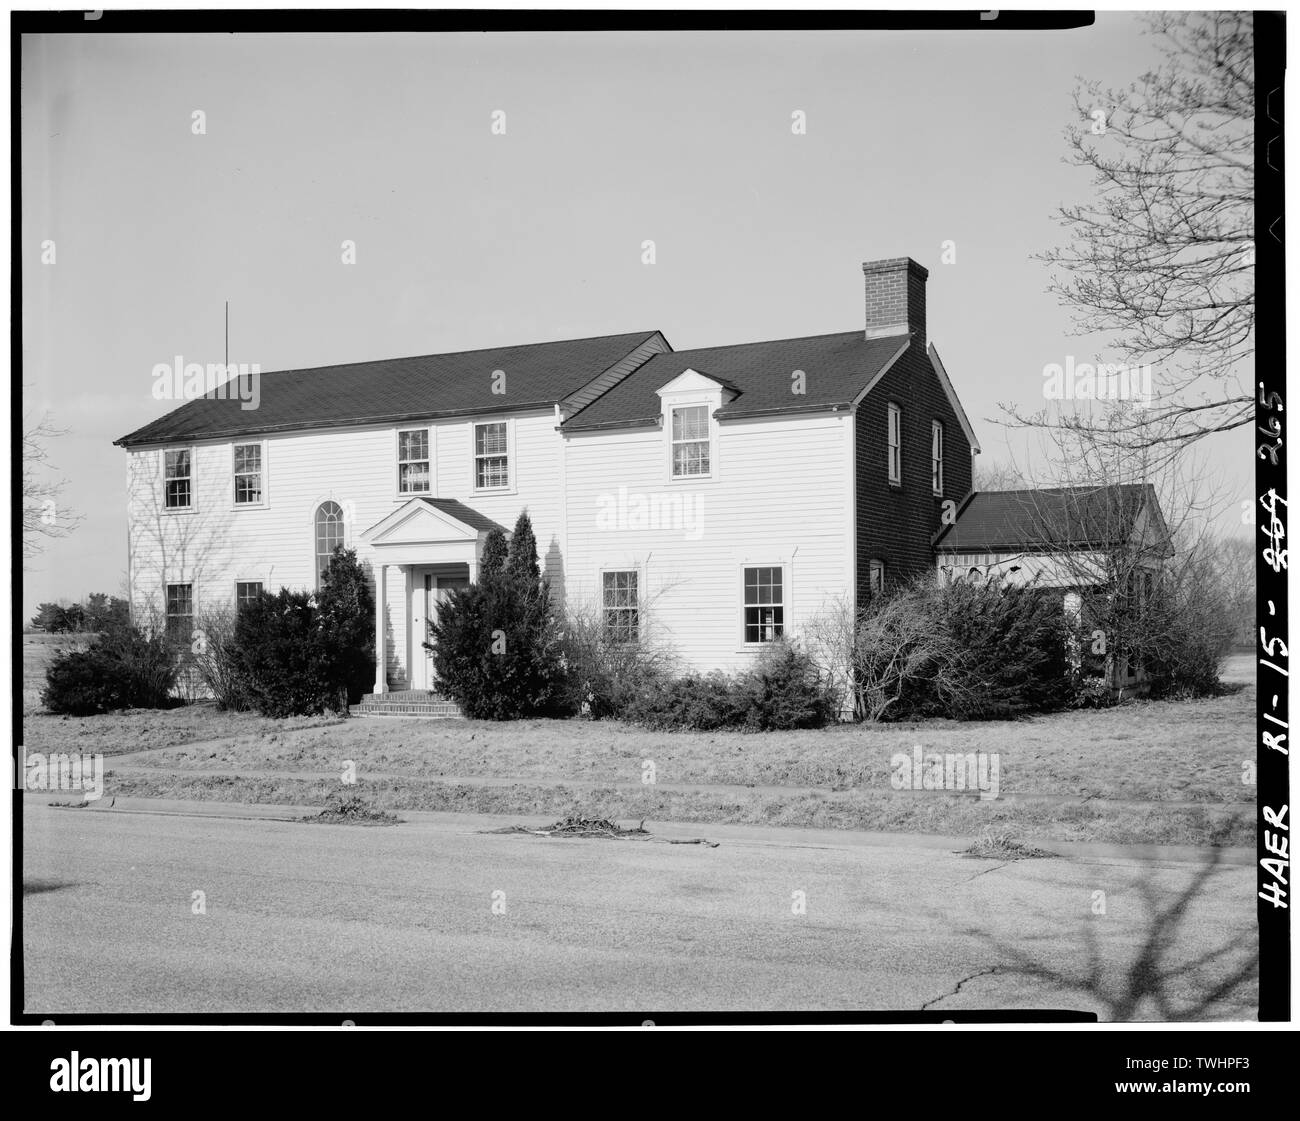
(427, 540)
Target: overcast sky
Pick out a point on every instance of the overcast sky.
(467, 239)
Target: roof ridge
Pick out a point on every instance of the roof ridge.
(1045, 490)
(459, 353)
(769, 342)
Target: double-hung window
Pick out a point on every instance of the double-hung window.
(491, 456)
(621, 607)
(413, 461)
(895, 444)
(179, 492)
(764, 604)
(248, 474)
(691, 453)
(180, 612)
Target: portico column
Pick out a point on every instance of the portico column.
(381, 659)
(473, 572)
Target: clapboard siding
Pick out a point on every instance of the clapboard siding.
(780, 495)
(218, 544)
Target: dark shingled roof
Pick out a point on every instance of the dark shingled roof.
(395, 389)
(838, 368)
(1053, 517)
(466, 514)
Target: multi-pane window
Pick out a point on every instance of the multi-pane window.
(622, 612)
(246, 592)
(248, 474)
(176, 473)
(330, 535)
(690, 441)
(876, 576)
(413, 461)
(491, 455)
(936, 457)
(180, 612)
(895, 444)
(764, 604)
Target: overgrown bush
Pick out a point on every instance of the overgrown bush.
(785, 690)
(604, 676)
(1013, 654)
(496, 644)
(694, 702)
(1193, 633)
(1090, 690)
(1175, 633)
(968, 652)
(125, 668)
(897, 654)
(215, 660)
(282, 654)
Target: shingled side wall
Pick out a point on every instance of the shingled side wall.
(896, 523)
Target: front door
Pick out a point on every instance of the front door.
(430, 591)
(441, 586)
(421, 670)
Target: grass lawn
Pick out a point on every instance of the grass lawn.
(117, 733)
(1157, 772)
(1157, 752)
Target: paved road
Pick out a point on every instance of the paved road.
(339, 918)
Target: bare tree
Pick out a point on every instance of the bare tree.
(1136, 545)
(1161, 259)
(889, 645)
(607, 667)
(43, 517)
(996, 476)
(1233, 559)
(166, 547)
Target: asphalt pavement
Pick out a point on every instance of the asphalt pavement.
(152, 906)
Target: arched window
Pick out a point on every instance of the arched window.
(329, 535)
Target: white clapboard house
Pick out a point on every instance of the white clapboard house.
(732, 493)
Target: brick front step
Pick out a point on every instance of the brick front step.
(406, 702)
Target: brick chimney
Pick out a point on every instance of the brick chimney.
(895, 298)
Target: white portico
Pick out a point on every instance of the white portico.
(431, 546)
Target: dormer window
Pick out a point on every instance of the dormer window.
(691, 453)
(688, 425)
